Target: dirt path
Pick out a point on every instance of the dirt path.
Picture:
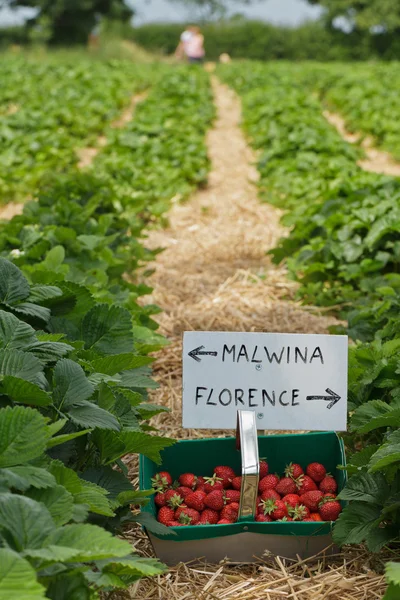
(214, 274)
(376, 161)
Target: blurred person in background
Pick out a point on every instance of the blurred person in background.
(191, 45)
(94, 37)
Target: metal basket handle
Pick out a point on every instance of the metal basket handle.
(247, 443)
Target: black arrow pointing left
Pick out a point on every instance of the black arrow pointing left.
(197, 352)
(332, 398)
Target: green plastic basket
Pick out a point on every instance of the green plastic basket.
(202, 455)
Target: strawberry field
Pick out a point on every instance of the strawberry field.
(166, 227)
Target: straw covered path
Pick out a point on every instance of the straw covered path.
(215, 275)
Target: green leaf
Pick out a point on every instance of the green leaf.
(387, 454)
(116, 445)
(22, 365)
(24, 523)
(132, 566)
(88, 414)
(21, 478)
(66, 437)
(23, 435)
(57, 500)
(24, 392)
(392, 592)
(109, 479)
(71, 386)
(71, 586)
(366, 487)
(40, 293)
(138, 378)
(14, 334)
(54, 258)
(119, 362)
(90, 542)
(49, 351)
(14, 287)
(18, 578)
(357, 521)
(95, 497)
(108, 330)
(147, 520)
(392, 571)
(369, 416)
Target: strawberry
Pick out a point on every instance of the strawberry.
(161, 481)
(315, 517)
(196, 500)
(263, 469)
(193, 514)
(328, 485)
(316, 471)
(308, 520)
(293, 470)
(232, 496)
(188, 480)
(329, 510)
(215, 500)
(286, 485)
(300, 512)
(230, 512)
(268, 494)
(224, 522)
(305, 484)
(225, 474)
(165, 515)
(237, 483)
(159, 499)
(200, 484)
(292, 500)
(263, 518)
(276, 508)
(208, 517)
(183, 491)
(212, 483)
(173, 498)
(330, 496)
(269, 482)
(176, 524)
(285, 519)
(312, 499)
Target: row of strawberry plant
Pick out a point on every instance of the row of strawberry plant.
(74, 360)
(343, 250)
(52, 106)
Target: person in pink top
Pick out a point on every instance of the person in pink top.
(191, 45)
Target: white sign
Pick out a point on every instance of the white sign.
(292, 381)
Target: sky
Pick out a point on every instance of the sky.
(286, 12)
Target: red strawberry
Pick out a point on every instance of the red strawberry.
(293, 470)
(286, 486)
(226, 474)
(285, 519)
(200, 484)
(315, 517)
(263, 518)
(328, 485)
(173, 498)
(276, 508)
(232, 496)
(230, 512)
(188, 480)
(196, 500)
(305, 484)
(316, 471)
(329, 510)
(215, 500)
(161, 481)
(208, 517)
(176, 524)
(268, 494)
(330, 496)
(263, 469)
(269, 482)
(312, 499)
(224, 522)
(237, 483)
(292, 500)
(308, 520)
(159, 499)
(165, 515)
(193, 514)
(300, 513)
(183, 491)
(212, 483)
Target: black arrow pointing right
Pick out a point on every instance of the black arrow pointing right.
(332, 398)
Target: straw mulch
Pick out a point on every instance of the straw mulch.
(215, 275)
